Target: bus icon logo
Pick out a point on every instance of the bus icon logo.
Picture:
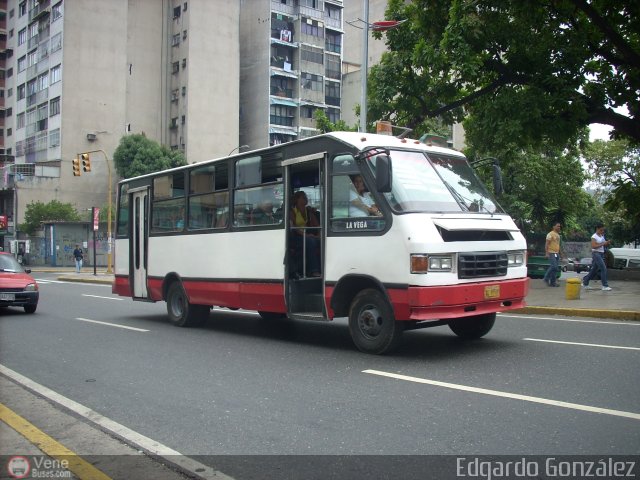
(18, 467)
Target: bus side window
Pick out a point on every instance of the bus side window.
(342, 186)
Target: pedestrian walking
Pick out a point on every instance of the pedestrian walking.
(78, 256)
(598, 242)
(552, 252)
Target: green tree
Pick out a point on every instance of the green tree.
(526, 71)
(325, 125)
(614, 166)
(38, 212)
(542, 188)
(137, 155)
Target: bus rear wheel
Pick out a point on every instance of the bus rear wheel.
(372, 324)
(180, 311)
(473, 327)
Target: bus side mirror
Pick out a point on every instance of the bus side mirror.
(497, 179)
(384, 174)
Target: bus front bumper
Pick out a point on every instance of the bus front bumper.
(455, 301)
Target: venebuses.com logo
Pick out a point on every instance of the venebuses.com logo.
(18, 467)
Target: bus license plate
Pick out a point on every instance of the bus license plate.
(7, 297)
(492, 291)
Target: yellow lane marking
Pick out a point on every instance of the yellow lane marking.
(49, 446)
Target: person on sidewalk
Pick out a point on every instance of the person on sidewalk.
(598, 242)
(78, 255)
(552, 252)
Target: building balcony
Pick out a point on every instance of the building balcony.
(42, 8)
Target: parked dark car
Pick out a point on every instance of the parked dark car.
(583, 265)
(17, 287)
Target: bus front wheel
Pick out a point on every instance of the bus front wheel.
(180, 311)
(372, 324)
(473, 327)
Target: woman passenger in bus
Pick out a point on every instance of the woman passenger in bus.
(303, 217)
(360, 202)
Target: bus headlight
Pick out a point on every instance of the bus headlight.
(422, 263)
(516, 258)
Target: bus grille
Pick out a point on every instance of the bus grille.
(482, 264)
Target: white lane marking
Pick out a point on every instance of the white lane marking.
(635, 324)
(132, 437)
(106, 298)
(112, 324)
(515, 396)
(45, 280)
(582, 344)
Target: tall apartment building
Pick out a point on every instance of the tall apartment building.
(80, 74)
(291, 66)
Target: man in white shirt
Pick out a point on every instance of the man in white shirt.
(598, 242)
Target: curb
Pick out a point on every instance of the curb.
(582, 312)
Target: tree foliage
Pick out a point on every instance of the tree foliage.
(615, 167)
(137, 155)
(325, 125)
(528, 71)
(38, 212)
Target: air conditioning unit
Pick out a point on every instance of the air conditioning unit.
(91, 137)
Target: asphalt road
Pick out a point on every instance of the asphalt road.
(243, 386)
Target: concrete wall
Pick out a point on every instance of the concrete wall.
(255, 30)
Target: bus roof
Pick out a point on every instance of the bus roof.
(356, 140)
(367, 140)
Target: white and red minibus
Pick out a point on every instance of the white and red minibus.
(435, 248)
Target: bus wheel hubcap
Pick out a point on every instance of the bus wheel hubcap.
(370, 321)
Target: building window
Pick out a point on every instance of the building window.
(312, 54)
(312, 27)
(184, 34)
(332, 93)
(8, 112)
(184, 91)
(22, 64)
(56, 42)
(282, 115)
(22, 36)
(9, 132)
(56, 74)
(9, 92)
(54, 138)
(184, 63)
(22, 9)
(176, 12)
(311, 82)
(183, 120)
(333, 67)
(184, 7)
(308, 3)
(10, 73)
(175, 41)
(56, 11)
(175, 67)
(43, 80)
(21, 91)
(54, 106)
(333, 42)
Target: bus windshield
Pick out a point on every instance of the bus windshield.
(436, 183)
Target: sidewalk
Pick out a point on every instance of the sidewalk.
(621, 303)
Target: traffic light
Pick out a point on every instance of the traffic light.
(76, 167)
(86, 162)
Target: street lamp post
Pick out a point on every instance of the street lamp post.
(381, 26)
(365, 66)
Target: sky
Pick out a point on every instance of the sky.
(598, 131)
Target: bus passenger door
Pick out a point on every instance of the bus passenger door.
(138, 250)
(304, 259)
